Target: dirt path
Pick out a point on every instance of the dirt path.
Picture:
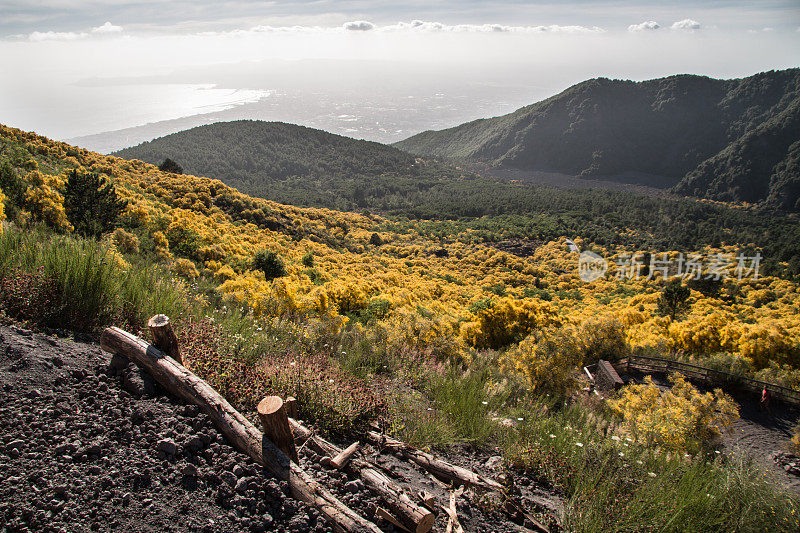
(762, 435)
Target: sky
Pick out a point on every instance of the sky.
(82, 67)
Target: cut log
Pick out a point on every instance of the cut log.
(438, 467)
(342, 458)
(428, 499)
(413, 517)
(291, 406)
(276, 425)
(163, 337)
(239, 431)
(383, 514)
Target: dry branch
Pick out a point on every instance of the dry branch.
(413, 517)
(239, 431)
(438, 467)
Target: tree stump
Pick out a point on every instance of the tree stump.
(273, 417)
(163, 337)
(291, 407)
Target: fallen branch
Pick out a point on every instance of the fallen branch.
(413, 517)
(438, 467)
(239, 431)
(453, 525)
(341, 460)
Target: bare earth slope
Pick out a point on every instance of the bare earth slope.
(89, 443)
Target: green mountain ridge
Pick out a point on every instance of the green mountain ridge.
(729, 140)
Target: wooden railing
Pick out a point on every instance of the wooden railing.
(709, 376)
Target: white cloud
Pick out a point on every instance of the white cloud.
(56, 36)
(436, 27)
(686, 25)
(358, 25)
(107, 28)
(648, 25)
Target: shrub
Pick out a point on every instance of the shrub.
(184, 241)
(548, 359)
(501, 323)
(308, 259)
(603, 338)
(270, 264)
(126, 242)
(185, 268)
(681, 419)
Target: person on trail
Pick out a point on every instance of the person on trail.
(765, 394)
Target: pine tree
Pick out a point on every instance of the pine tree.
(91, 203)
(170, 166)
(674, 300)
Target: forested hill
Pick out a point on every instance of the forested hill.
(731, 140)
(284, 162)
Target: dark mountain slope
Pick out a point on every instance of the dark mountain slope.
(723, 139)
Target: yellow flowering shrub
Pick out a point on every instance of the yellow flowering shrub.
(185, 268)
(2, 209)
(125, 241)
(45, 201)
(503, 322)
(548, 359)
(680, 419)
(414, 298)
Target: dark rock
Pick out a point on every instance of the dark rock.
(168, 446)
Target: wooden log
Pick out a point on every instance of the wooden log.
(343, 457)
(276, 425)
(413, 517)
(427, 499)
(163, 337)
(438, 467)
(291, 406)
(383, 514)
(239, 431)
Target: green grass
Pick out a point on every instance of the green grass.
(617, 485)
(87, 289)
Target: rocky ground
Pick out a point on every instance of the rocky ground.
(88, 443)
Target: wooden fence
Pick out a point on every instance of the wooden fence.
(708, 376)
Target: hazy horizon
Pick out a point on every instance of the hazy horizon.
(86, 68)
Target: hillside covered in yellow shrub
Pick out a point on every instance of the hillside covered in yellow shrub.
(438, 298)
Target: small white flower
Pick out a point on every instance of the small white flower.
(614, 437)
(430, 408)
(628, 439)
(651, 474)
(639, 462)
(520, 419)
(716, 451)
(621, 454)
(552, 436)
(292, 363)
(485, 403)
(344, 353)
(579, 444)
